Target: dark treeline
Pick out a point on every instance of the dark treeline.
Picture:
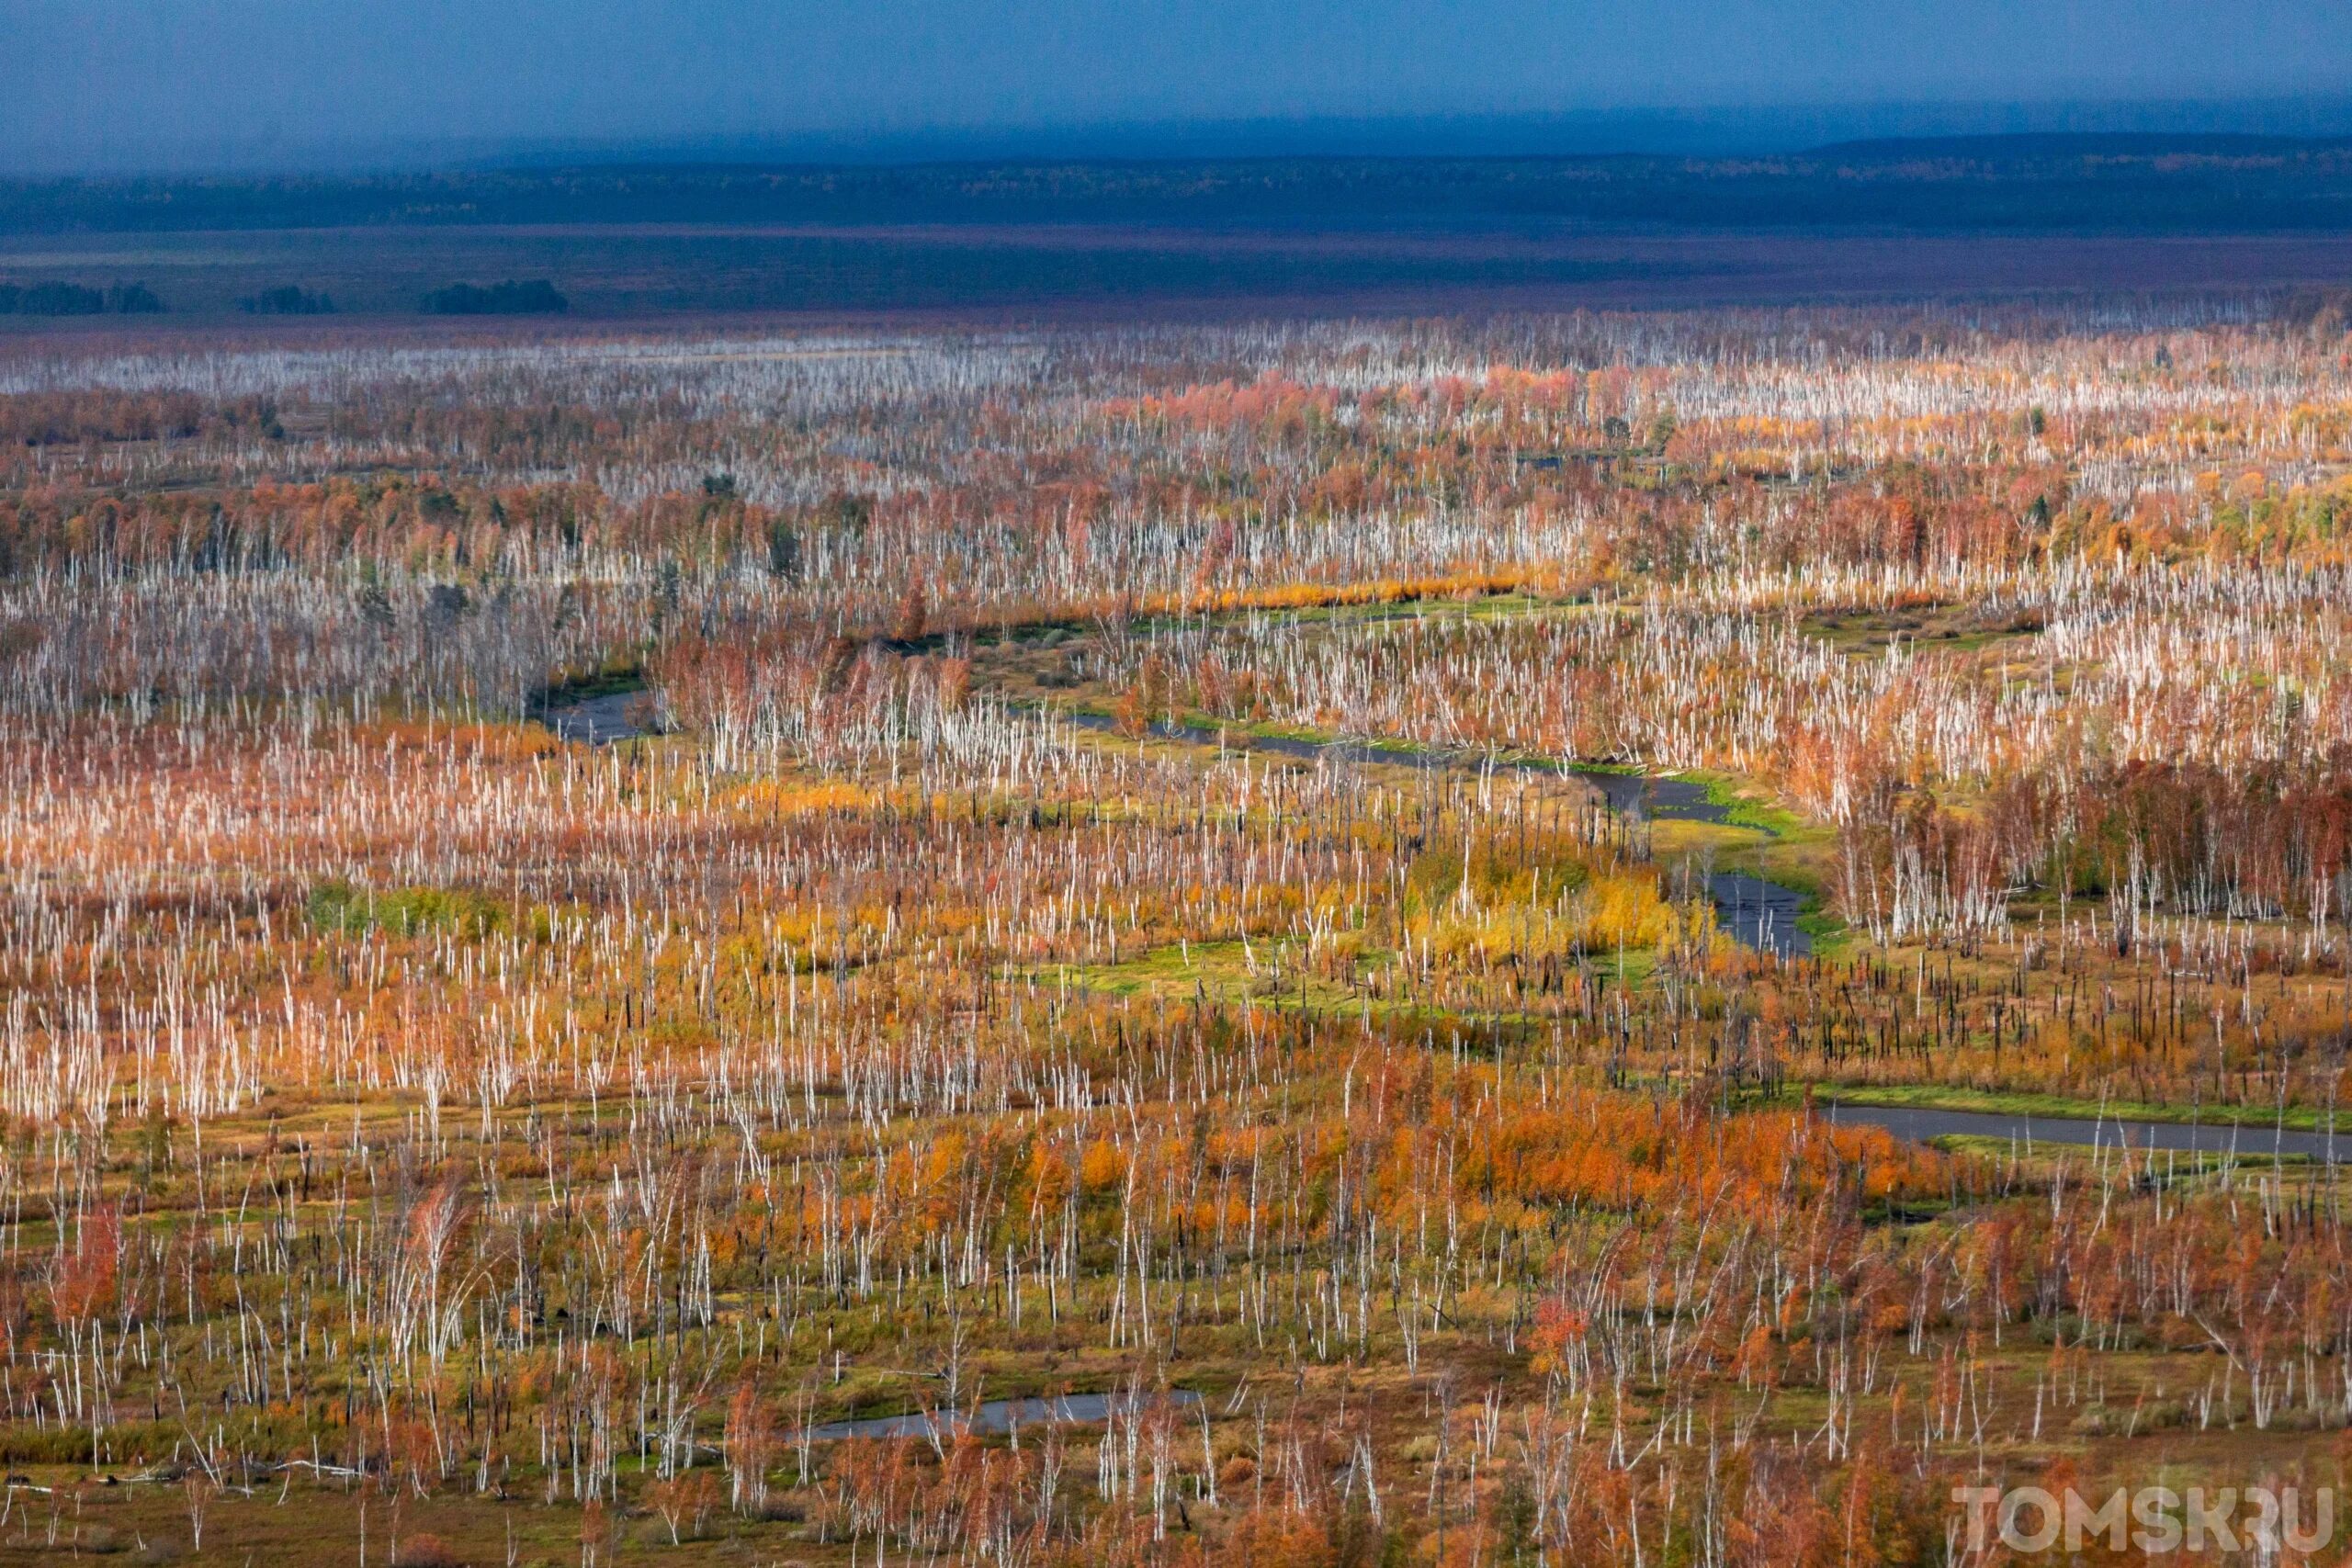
(536, 298)
(286, 299)
(56, 298)
(2042, 182)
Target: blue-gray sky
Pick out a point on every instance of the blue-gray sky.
(181, 82)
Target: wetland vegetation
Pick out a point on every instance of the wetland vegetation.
(627, 946)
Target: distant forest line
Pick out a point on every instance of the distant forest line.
(2127, 183)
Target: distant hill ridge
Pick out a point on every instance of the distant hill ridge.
(2041, 145)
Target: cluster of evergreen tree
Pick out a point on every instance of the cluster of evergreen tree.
(54, 299)
(536, 298)
(288, 300)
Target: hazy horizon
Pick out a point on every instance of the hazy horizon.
(188, 86)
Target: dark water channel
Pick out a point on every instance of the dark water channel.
(1753, 912)
(1643, 794)
(995, 1417)
(2247, 1141)
(1759, 914)
(595, 721)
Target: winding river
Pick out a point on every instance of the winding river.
(995, 1417)
(1752, 911)
(2247, 1141)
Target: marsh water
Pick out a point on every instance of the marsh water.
(595, 721)
(1759, 914)
(994, 1416)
